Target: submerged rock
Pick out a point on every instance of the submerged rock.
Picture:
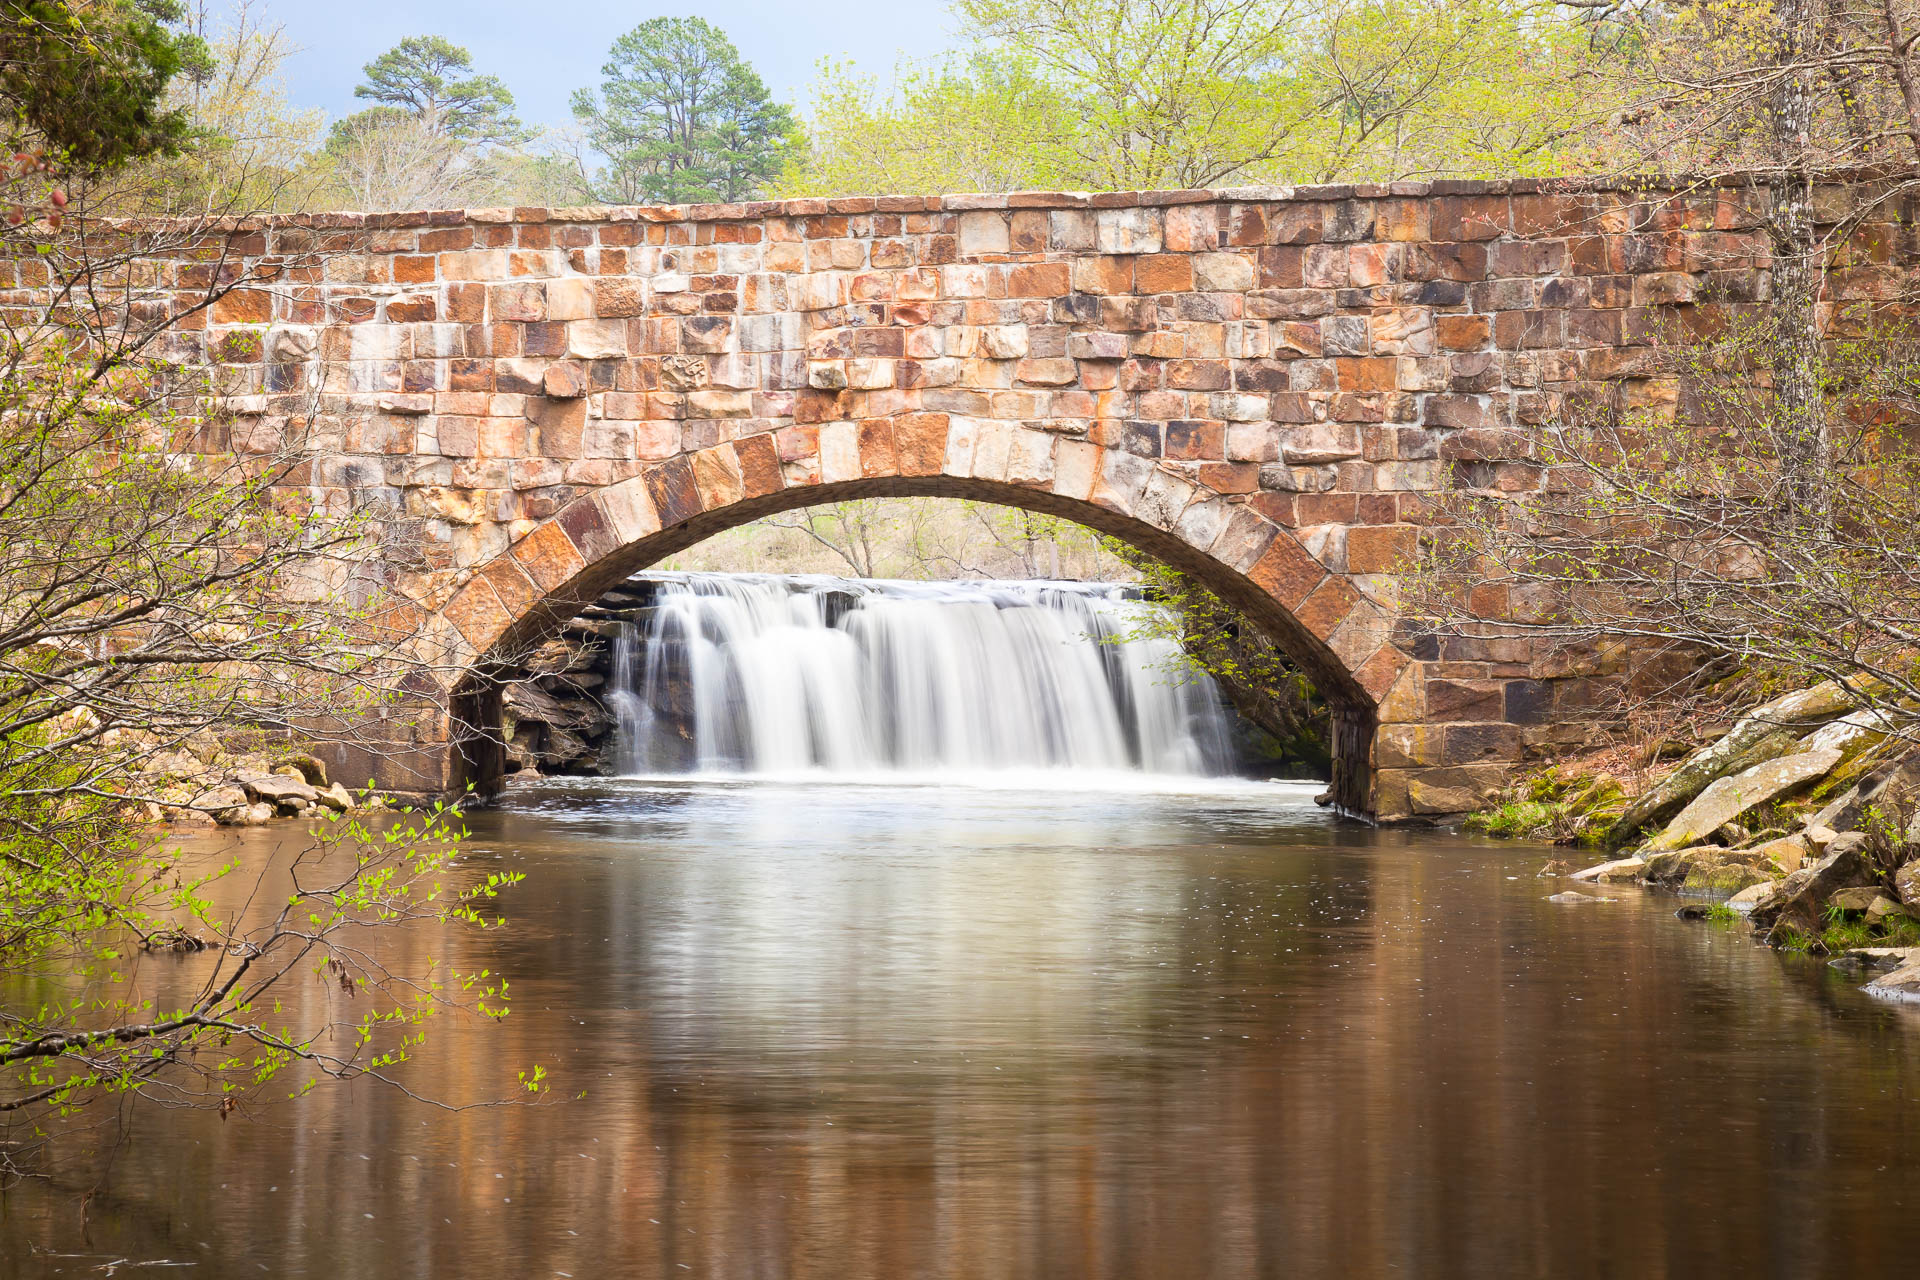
(1732, 796)
(1903, 984)
(1571, 896)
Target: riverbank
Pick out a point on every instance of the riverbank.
(211, 781)
(1802, 817)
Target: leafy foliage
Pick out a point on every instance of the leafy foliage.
(88, 81)
(1146, 94)
(428, 78)
(1211, 636)
(1673, 520)
(681, 117)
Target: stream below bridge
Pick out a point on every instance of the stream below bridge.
(1134, 1029)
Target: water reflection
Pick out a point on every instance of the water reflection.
(883, 1032)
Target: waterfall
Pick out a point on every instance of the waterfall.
(775, 674)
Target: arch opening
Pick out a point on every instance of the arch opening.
(480, 756)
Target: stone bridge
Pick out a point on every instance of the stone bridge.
(1263, 388)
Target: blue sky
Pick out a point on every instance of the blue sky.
(544, 51)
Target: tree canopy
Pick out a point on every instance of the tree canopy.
(681, 116)
(429, 78)
(1144, 94)
(88, 82)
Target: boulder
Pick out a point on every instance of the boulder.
(220, 802)
(1902, 984)
(1786, 853)
(1744, 901)
(311, 770)
(1855, 900)
(1732, 753)
(279, 790)
(1764, 734)
(1672, 867)
(1731, 796)
(1852, 733)
(1886, 911)
(254, 815)
(1891, 787)
(1906, 883)
(1710, 869)
(525, 701)
(1802, 896)
(1726, 876)
(337, 798)
(1620, 869)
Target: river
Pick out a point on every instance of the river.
(1106, 1028)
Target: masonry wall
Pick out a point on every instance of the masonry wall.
(1278, 379)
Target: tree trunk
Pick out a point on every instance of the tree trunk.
(1804, 444)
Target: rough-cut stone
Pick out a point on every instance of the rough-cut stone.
(1854, 900)
(1612, 872)
(1804, 707)
(1729, 797)
(1906, 883)
(1902, 985)
(1428, 799)
(1800, 899)
(279, 790)
(1751, 896)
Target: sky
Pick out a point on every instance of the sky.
(544, 51)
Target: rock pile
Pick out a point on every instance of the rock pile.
(557, 719)
(204, 782)
(1806, 812)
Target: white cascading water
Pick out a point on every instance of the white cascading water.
(773, 674)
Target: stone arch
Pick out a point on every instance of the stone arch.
(1339, 637)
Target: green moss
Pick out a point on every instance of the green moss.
(1568, 809)
(1514, 820)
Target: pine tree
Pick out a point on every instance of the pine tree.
(681, 117)
(428, 78)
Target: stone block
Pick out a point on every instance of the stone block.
(983, 233)
(596, 339)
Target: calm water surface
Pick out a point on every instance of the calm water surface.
(897, 1031)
